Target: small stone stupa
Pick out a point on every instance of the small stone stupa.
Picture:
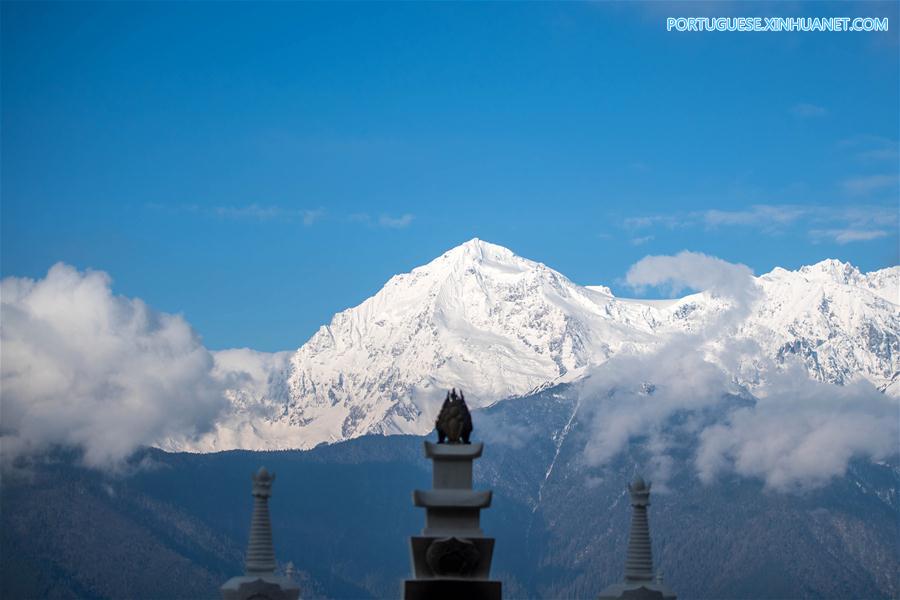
(452, 557)
(639, 582)
(260, 581)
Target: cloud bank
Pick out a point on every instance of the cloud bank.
(791, 432)
(800, 433)
(84, 368)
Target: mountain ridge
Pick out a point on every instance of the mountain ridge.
(500, 325)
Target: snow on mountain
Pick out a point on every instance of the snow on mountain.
(840, 322)
(500, 325)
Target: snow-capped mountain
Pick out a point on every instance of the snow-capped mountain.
(500, 325)
(841, 322)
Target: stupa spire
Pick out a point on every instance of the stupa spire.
(260, 552)
(639, 583)
(260, 581)
(639, 561)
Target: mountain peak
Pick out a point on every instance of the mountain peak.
(479, 256)
(479, 249)
(832, 269)
(499, 325)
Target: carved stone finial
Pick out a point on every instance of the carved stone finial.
(454, 423)
(262, 482)
(452, 556)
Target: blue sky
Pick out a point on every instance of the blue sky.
(260, 167)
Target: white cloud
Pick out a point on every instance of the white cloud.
(396, 222)
(862, 215)
(800, 433)
(246, 212)
(85, 368)
(641, 240)
(845, 236)
(858, 221)
(769, 217)
(633, 395)
(386, 221)
(311, 216)
(697, 271)
(764, 215)
(793, 433)
(861, 186)
(669, 221)
(267, 213)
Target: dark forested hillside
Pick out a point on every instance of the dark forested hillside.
(174, 525)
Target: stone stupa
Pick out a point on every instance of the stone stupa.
(260, 581)
(639, 583)
(452, 557)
